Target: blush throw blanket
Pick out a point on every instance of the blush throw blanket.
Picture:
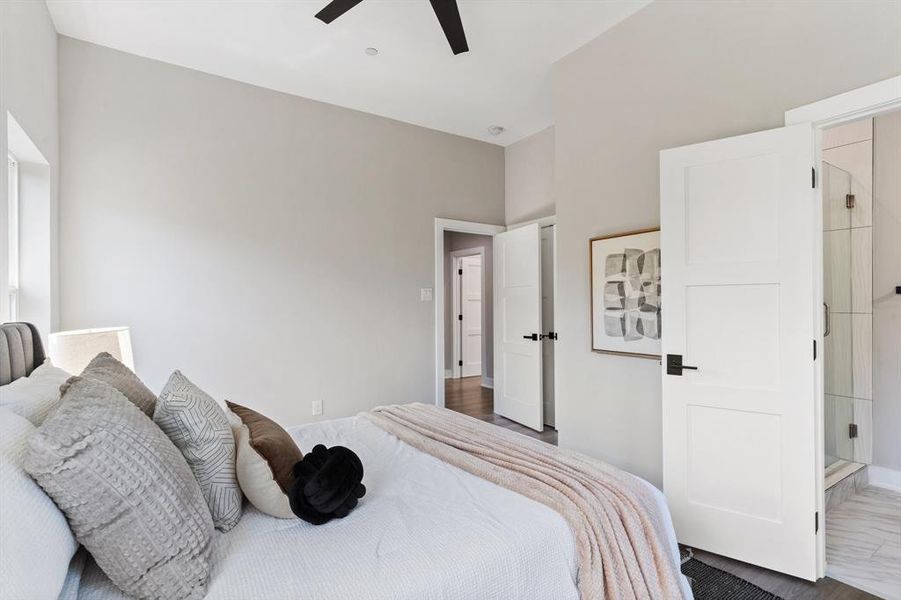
(619, 532)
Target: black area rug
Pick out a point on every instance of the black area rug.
(710, 583)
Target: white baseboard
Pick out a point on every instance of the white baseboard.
(884, 477)
(488, 382)
(448, 373)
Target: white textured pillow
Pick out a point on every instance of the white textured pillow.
(35, 396)
(36, 543)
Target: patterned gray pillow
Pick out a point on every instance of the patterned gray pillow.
(127, 492)
(104, 367)
(199, 428)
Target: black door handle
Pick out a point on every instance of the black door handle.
(551, 335)
(531, 336)
(674, 365)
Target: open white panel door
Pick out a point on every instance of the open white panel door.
(737, 251)
(517, 326)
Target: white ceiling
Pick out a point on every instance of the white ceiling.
(503, 80)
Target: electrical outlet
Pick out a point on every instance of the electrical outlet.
(317, 407)
(425, 294)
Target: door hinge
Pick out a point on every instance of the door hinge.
(459, 317)
(816, 522)
(460, 363)
(852, 430)
(813, 177)
(814, 349)
(850, 200)
(459, 271)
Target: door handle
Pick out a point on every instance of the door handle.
(827, 319)
(674, 365)
(531, 336)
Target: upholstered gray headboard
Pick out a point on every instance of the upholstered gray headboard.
(21, 351)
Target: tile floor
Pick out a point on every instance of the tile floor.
(863, 542)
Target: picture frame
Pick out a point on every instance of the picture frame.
(624, 273)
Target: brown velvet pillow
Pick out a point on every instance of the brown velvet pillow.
(266, 455)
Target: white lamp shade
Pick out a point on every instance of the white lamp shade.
(71, 351)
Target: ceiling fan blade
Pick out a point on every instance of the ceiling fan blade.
(335, 9)
(449, 16)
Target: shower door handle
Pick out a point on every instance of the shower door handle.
(827, 319)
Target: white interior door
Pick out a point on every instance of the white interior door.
(471, 311)
(517, 326)
(547, 321)
(739, 434)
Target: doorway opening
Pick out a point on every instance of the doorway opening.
(467, 330)
(442, 285)
(861, 193)
(858, 297)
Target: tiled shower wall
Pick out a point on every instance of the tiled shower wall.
(848, 285)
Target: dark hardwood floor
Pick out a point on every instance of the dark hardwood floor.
(467, 396)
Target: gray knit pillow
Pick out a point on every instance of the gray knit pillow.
(107, 369)
(199, 428)
(127, 492)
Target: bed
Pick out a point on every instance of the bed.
(425, 529)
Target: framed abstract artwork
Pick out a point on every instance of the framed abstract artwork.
(625, 293)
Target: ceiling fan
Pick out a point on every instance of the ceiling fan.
(446, 10)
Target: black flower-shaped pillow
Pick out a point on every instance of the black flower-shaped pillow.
(327, 484)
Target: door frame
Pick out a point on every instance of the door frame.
(542, 222)
(456, 307)
(867, 101)
(442, 225)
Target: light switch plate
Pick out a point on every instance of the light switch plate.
(425, 294)
(317, 407)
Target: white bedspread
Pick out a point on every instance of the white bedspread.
(425, 530)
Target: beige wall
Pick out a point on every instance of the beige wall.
(455, 240)
(886, 303)
(28, 91)
(271, 247)
(529, 177)
(673, 74)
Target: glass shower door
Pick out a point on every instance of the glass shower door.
(837, 365)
